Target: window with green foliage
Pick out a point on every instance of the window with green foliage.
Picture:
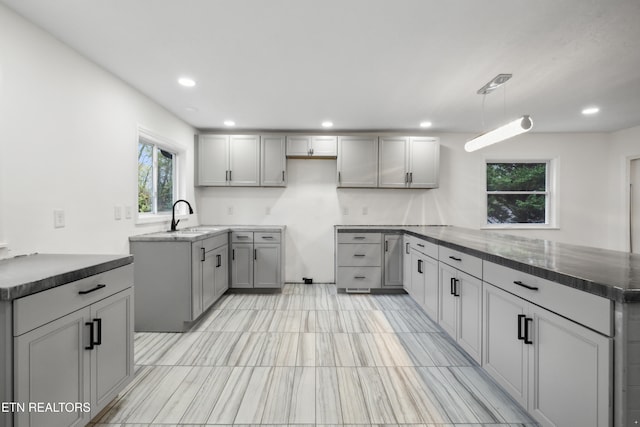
(156, 177)
(518, 193)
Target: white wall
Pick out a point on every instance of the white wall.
(68, 131)
(624, 145)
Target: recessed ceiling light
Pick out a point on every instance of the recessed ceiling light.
(590, 110)
(186, 82)
(229, 123)
(425, 124)
(327, 124)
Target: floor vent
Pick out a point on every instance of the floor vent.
(357, 290)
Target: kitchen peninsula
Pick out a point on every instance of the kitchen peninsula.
(555, 324)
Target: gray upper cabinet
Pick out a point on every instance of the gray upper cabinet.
(358, 161)
(273, 167)
(409, 162)
(228, 160)
(312, 146)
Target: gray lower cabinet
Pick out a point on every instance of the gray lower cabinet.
(460, 308)
(177, 281)
(359, 260)
(392, 260)
(556, 368)
(256, 259)
(85, 356)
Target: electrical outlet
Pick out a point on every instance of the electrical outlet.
(58, 218)
(345, 211)
(117, 213)
(365, 210)
(267, 210)
(230, 210)
(128, 212)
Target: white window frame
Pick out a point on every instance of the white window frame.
(550, 196)
(162, 143)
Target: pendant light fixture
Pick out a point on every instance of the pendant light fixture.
(511, 129)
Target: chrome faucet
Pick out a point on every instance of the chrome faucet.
(174, 223)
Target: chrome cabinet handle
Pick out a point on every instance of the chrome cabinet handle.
(531, 288)
(92, 289)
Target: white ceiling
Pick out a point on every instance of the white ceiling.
(365, 64)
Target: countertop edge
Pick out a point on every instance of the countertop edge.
(29, 288)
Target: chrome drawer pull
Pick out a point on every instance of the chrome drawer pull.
(359, 277)
(421, 245)
(519, 283)
(91, 290)
(455, 259)
(359, 255)
(358, 238)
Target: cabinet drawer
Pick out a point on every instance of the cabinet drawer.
(43, 307)
(359, 277)
(359, 255)
(359, 238)
(215, 242)
(582, 307)
(266, 237)
(427, 248)
(242, 236)
(467, 263)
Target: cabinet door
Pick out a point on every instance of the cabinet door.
(431, 286)
(424, 160)
(324, 146)
(569, 372)
(392, 161)
(273, 167)
(357, 161)
(222, 270)
(298, 146)
(208, 264)
(51, 364)
(417, 277)
(112, 363)
(469, 330)
(266, 265)
(244, 160)
(448, 301)
(406, 260)
(213, 160)
(242, 265)
(392, 260)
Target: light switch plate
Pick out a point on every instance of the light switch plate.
(58, 218)
(128, 212)
(117, 213)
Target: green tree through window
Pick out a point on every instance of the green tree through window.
(517, 193)
(156, 178)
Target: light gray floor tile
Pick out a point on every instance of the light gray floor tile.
(328, 408)
(303, 397)
(310, 356)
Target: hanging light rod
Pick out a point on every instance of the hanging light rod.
(516, 127)
(494, 84)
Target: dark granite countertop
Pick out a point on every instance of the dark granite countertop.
(201, 232)
(26, 275)
(611, 274)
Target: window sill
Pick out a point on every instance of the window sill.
(520, 227)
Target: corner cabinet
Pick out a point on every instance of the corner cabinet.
(74, 343)
(409, 162)
(256, 259)
(228, 160)
(357, 161)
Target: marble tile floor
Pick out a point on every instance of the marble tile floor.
(309, 356)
